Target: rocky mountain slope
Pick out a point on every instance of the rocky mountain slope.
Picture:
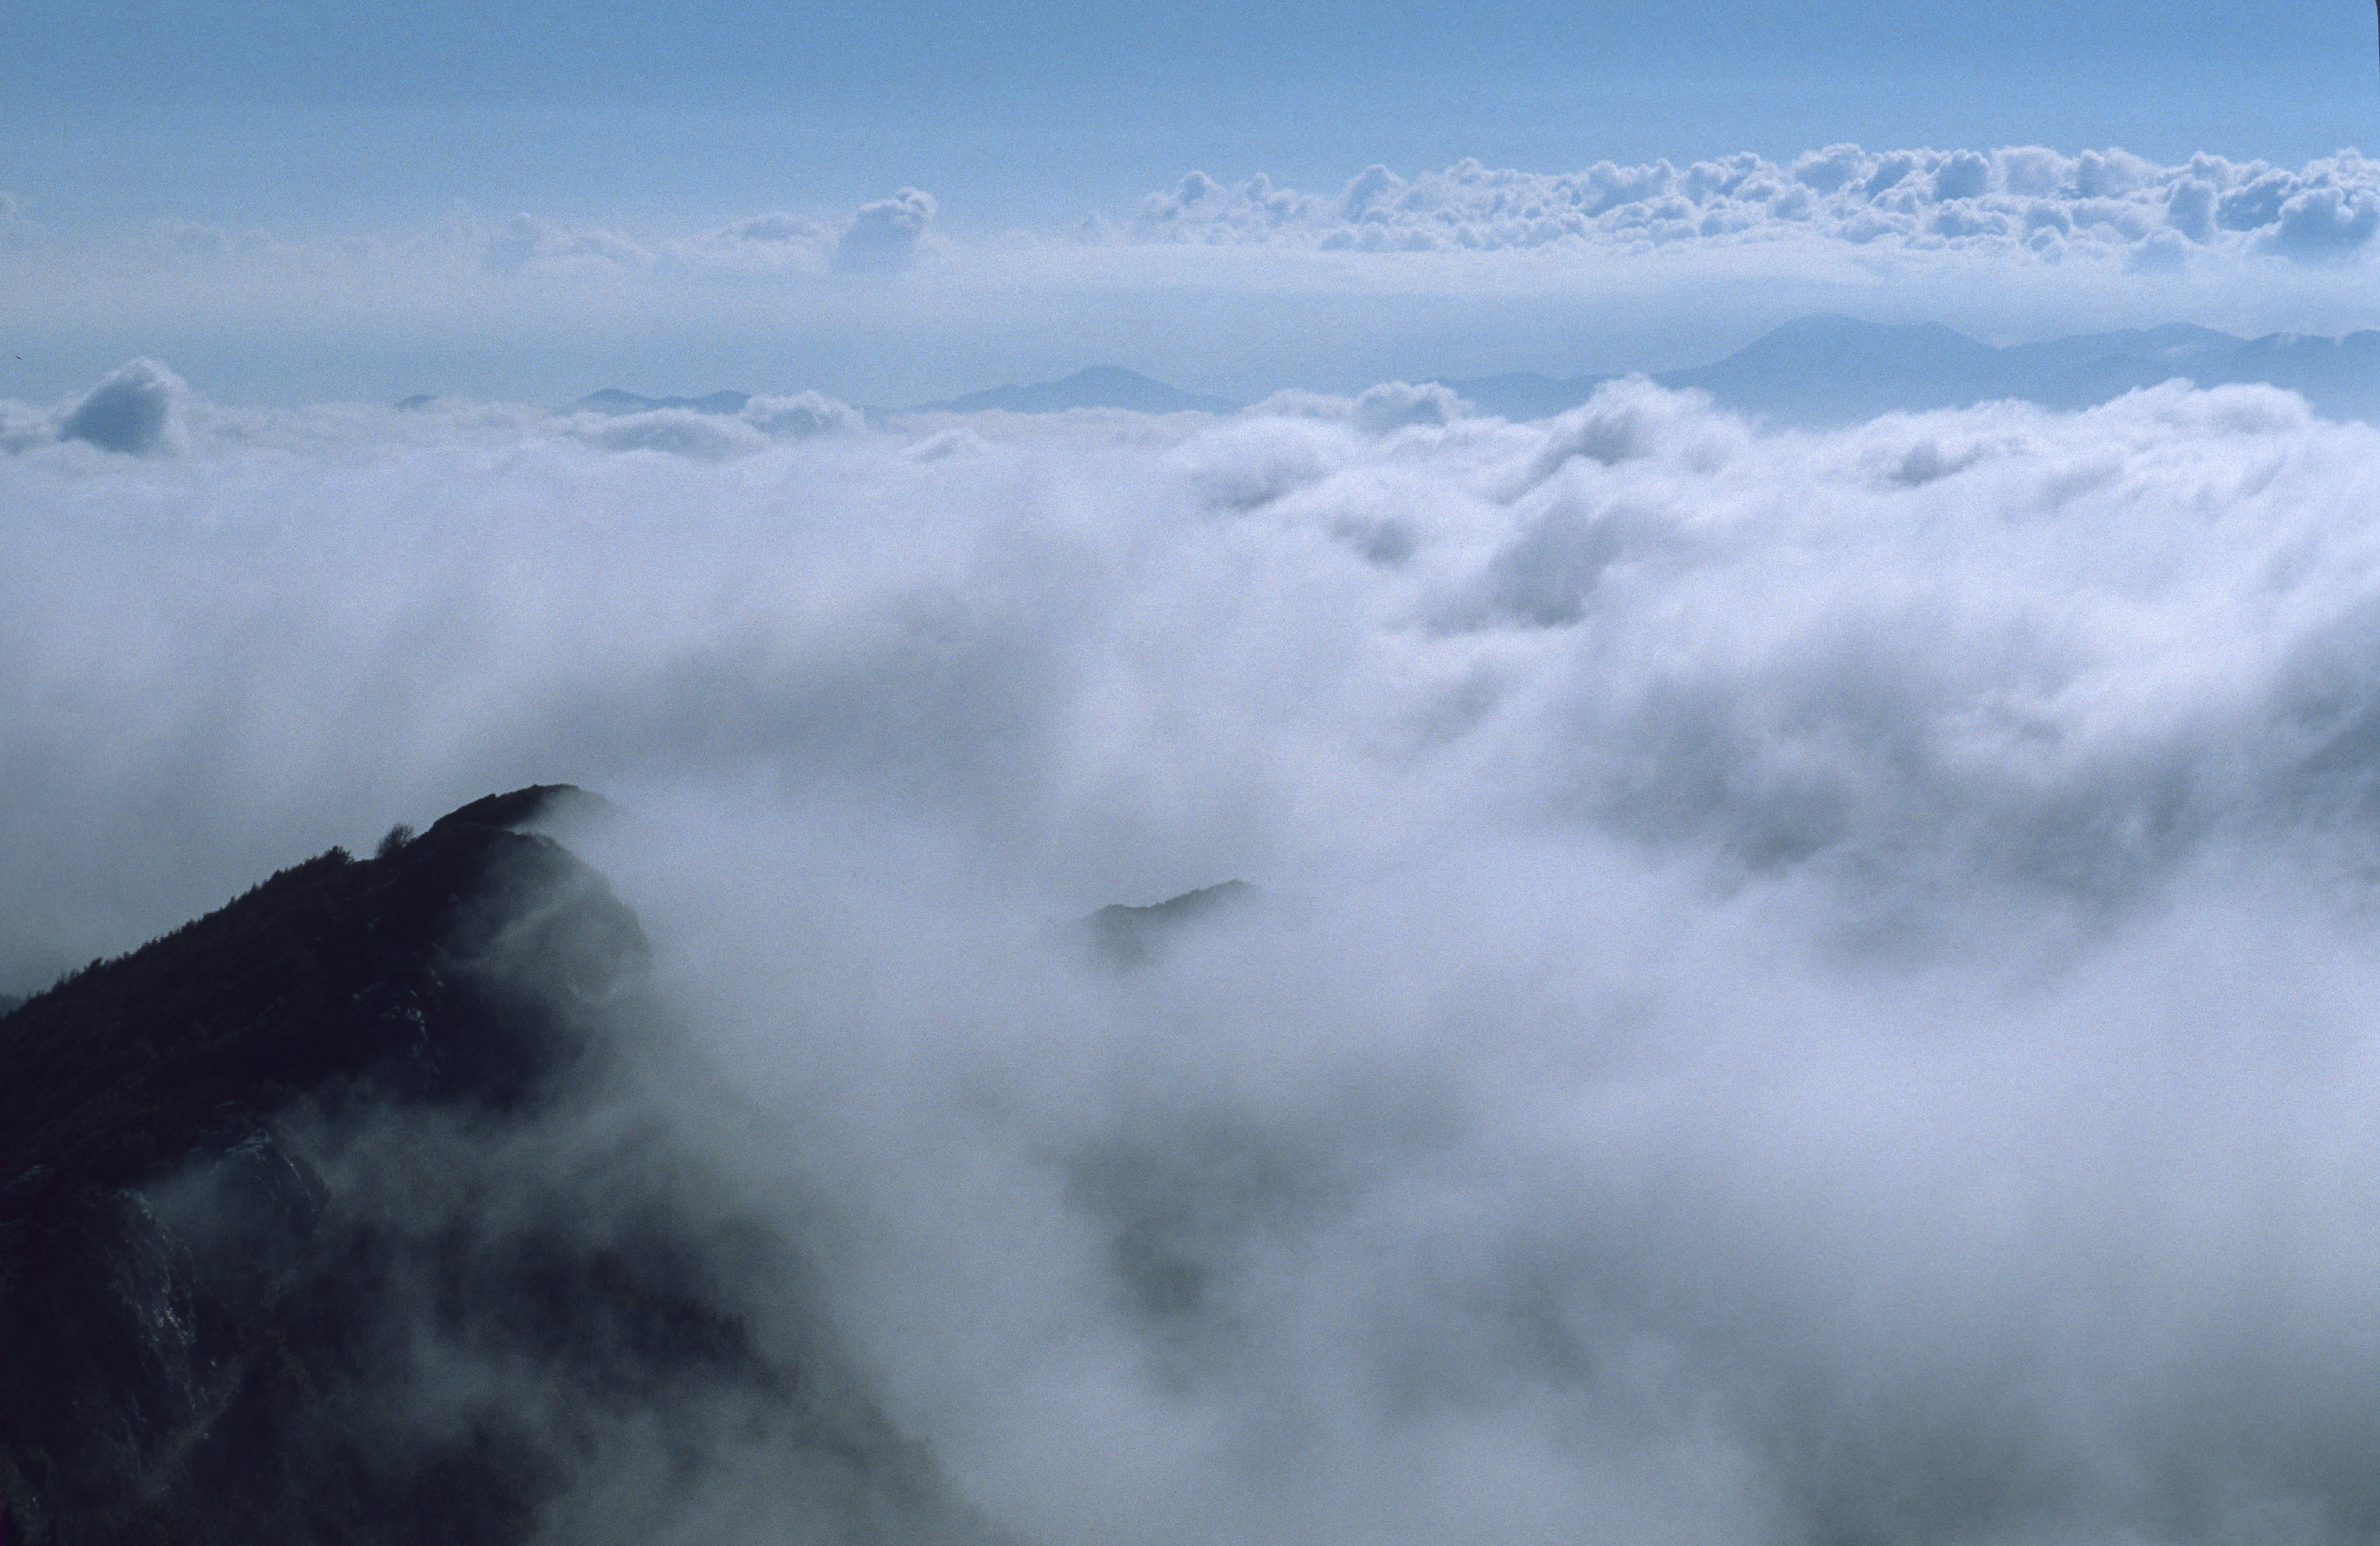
(323, 1220)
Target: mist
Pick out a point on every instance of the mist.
(1800, 987)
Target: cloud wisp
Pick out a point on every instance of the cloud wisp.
(1806, 985)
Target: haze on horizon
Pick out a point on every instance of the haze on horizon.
(531, 202)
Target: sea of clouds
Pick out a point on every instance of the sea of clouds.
(1806, 987)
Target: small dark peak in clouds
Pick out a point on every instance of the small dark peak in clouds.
(612, 400)
(1134, 936)
(1099, 386)
(416, 403)
(884, 237)
(135, 410)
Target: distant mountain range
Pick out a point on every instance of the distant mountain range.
(1831, 370)
(1813, 372)
(1100, 386)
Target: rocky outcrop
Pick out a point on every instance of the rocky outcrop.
(322, 1219)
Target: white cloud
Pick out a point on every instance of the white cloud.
(137, 410)
(1377, 411)
(24, 426)
(763, 244)
(800, 416)
(717, 436)
(884, 237)
(533, 244)
(2027, 203)
(678, 431)
(1813, 985)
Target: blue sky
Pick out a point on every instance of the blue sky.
(302, 122)
(302, 108)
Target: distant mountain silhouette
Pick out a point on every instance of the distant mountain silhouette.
(1100, 386)
(1833, 369)
(1813, 372)
(612, 400)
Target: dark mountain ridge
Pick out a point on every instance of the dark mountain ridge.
(334, 972)
(313, 1229)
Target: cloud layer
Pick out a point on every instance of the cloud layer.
(884, 237)
(1808, 986)
(1467, 271)
(2026, 201)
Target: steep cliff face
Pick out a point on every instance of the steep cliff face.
(323, 1219)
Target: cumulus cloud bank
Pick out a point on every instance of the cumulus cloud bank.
(713, 436)
(134, 411)
(2027, 201)
(1808, 986)
(1468, 272)
(883, 237)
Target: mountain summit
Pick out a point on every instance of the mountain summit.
(328, 1218)
(1100, 386)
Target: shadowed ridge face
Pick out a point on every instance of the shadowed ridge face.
(318, 1222)
(333, 971)
(1132, 937)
